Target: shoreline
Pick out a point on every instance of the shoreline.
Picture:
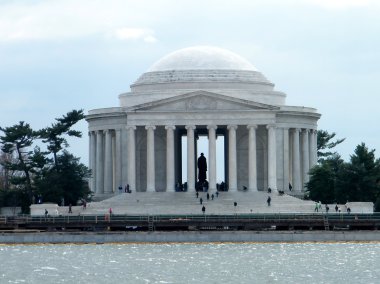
(188, 237)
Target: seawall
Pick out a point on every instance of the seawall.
(180, 236)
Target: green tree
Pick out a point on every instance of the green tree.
(322, 185)
(5, 174)
(70, 181)
(54, 135)
(325, 144)
(359, 179)
(17, 140)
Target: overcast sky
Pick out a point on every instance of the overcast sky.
(60, 55)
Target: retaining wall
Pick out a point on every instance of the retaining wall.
(180, 236)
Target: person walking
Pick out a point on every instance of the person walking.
(269, 200)
(203, 209)
(201, 200)
(70, 207)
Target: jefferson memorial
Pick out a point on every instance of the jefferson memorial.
(201, 91)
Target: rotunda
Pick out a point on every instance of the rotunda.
(206, 91)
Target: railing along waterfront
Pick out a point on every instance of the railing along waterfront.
(94, 219)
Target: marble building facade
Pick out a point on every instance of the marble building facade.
(201, 91)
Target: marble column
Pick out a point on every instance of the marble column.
(212, 156)
(313, 160)
(232, 159)
(190, 158)
(124, 156)
(108, 188)
(272, 157)
(170, 162)
(252, 163)
(315, 151)
(118, 156)
(296, 160)
(131, 157)
(286, 159)
(99, 163)
(305, 156)
(93, 160)
(150, 166)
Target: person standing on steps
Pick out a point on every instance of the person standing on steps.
(203, 209)
(201, 201)
(269, 200)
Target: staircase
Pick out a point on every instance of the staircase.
(150, 224)
(326, 223)
(186, 203)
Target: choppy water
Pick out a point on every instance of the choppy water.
(191, 263)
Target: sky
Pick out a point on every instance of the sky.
(60, 55)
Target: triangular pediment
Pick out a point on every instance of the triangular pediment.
(201, 101)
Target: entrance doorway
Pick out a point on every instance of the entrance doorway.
(201, 146)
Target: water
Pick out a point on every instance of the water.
(192, 263)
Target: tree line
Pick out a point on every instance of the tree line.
(334, 180)
(30, 174)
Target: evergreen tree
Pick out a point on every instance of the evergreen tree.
(17, 140)
(54, 135)
(68, 182)
(359, 179)
(32, 171)
(324, 144)
(322, 185)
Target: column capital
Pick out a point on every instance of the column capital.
(212, 126)
(314, 131)
(285, 128)
(252, 126)
(118, 130)
(269, 126)
(306, 130)
(232, 127)
(99, 131)
(167, 127)
(108, 130)
(296, 130)
(190, 127)
(147, 127)
(130, 127)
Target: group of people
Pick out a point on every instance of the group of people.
(208, 196)
(318, 207)
(181, 186)
(126, 189)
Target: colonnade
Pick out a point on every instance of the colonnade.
(106, 147)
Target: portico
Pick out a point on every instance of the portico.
(267, 144)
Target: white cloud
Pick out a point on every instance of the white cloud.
(135, 34)
(57, 20)
(343, 4)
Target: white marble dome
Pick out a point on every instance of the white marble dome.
(202, 68)
(202, 58)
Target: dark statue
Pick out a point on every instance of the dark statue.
(202, 168)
